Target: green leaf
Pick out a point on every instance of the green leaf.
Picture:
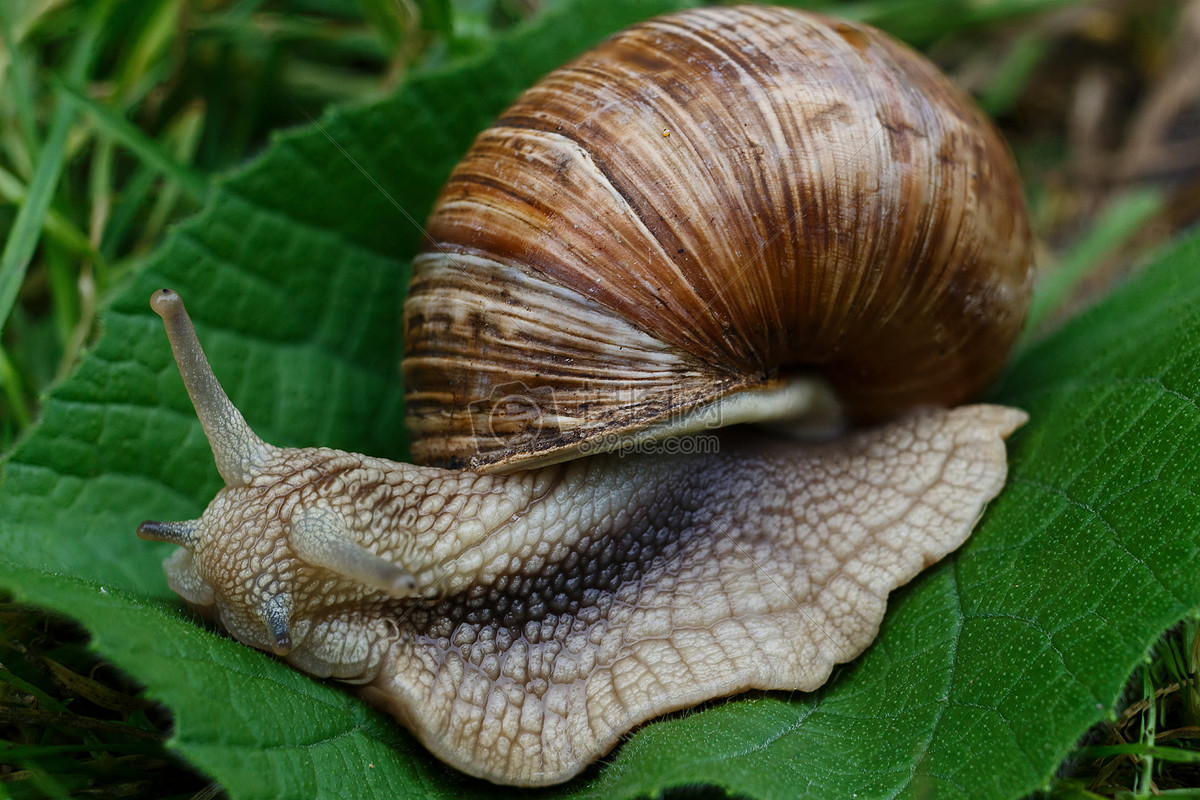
(988, 667)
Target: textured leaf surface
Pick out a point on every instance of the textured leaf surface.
(988, 668)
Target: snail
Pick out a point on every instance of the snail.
(718, 216)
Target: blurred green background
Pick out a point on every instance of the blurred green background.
(116, 115)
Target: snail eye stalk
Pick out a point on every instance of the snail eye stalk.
(180, 533)
(236, 449)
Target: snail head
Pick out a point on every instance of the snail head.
(281, 554)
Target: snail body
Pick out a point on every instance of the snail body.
(715, 215)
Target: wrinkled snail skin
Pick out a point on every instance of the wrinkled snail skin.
(520, 624)
(721, 263)
(636, 589)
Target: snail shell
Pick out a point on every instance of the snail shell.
(706, 203)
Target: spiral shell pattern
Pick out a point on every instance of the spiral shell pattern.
(705, 204)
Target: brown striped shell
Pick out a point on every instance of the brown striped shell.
(705, 204)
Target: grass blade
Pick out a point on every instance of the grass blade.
(20, 80)
(195, 184)
(1123, 218)
(27, 227)
(55, 226)
(1142, 751)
